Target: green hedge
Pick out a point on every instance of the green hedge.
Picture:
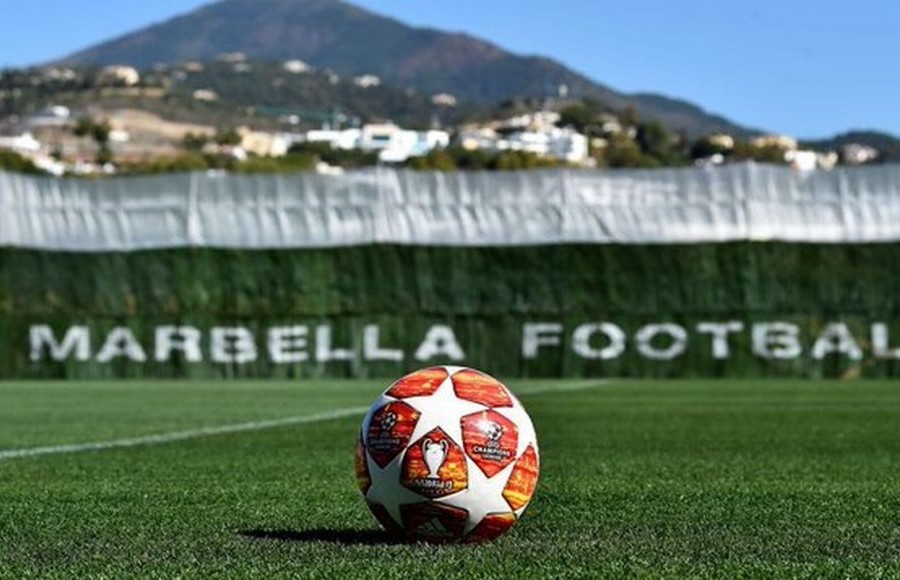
(484, 294)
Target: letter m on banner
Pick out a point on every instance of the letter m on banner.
(75, 343)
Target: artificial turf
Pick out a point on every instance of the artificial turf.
(643, 478)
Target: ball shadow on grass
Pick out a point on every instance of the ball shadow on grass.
(345, 537)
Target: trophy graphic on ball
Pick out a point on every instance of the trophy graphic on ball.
(435, 453)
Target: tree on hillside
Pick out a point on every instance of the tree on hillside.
(622, 152)
(99, 132)
(228, 137)
(15, 163)
(584, 117)
(705, 147)
(655, 141)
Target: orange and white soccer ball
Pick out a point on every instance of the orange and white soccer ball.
(447, 454)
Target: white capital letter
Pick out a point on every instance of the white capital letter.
(372, 349)
(720, 332)
(881, 340)
(581, 341)
(121, 342)
(287, 344)
(440, 340)
(776, 340)
(647, 333)
(324, 352)
(837, 338)
(77, 340)
(538, 334)
(232, 345)
(183, 338)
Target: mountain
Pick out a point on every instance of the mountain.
(350, 40)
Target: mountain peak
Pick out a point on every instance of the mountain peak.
(340, 36)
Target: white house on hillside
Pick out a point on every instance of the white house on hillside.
(126, 75)
(394, 144)
(562, 144)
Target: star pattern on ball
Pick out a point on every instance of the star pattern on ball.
(442, 410)
(385, 490)
(484, 495)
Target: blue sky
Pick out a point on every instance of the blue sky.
(803, 67)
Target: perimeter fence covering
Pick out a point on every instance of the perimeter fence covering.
(738, 271)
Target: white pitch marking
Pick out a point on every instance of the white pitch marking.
(181, 435)
(565, 388)
(175, 436)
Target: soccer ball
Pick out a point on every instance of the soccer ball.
(447, 454)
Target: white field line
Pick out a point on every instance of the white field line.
(175, 436)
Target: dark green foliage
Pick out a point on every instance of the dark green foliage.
(15, 163)
(675, 479)
(484, 293)
(703, 148)
(193, 142)
(98, 131)
(623, 152)
(457, 158)
(179, 164)
(580, 117)
(766, 154)
(656, 142)
(228, 136)
(292, 163)
(439, 160)
(188, 162)
(346, 158)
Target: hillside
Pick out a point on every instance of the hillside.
(351, 41)
(888, 146)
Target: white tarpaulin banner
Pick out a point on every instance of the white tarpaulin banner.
(745, 202)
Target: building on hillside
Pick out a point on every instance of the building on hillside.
(232, 57)
(52, 116)
(721, 140)
(552, 142)
(296, 67)
(345, 139)
(120, 75)
(610, 124)
(858, 154)
(474, 137)
(444, 100)
(569, 146)
(396, 145)
(538, 121)
(263, 144)
(828, 160)
(801, 160)
(59, 74)
(24, 144)
(393, 144)
(781, 141)
(367, 81)
(205, 95)
(49, 165)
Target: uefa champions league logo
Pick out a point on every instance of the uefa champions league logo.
(387, 423)
(435, 453)
(492, 449)
(494, 432)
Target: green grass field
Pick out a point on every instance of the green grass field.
(642, 478)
